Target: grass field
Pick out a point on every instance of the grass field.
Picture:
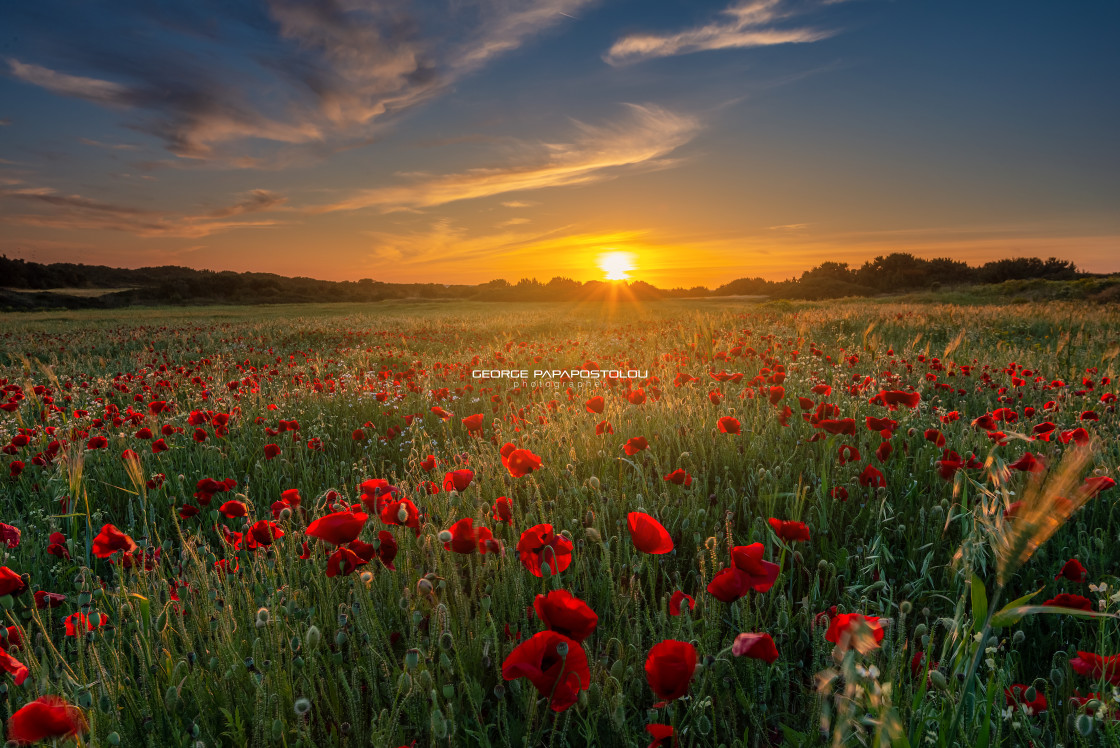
(240, 526)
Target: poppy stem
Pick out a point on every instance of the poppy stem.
(975, 665)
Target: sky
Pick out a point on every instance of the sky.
(677, 142)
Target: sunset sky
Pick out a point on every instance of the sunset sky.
(468, 140)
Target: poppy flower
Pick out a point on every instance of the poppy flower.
(729, 425)
(669, 669)
(663, 736)
(1028, 463)
(376, 493)
(871, 476)
(503, 510)
(755, 646)
(387, 549)
(677, 599)
(840, 493)
(429, 463)
(261, 534)
(789, 530)
(747, 572)
(1066, 600)
(9, 535)
(458, 480)
(338, 528)
(97, 442)
(343, 562)
(48, 599)
(77, 624)
(840, 426)
(563, 612)
(679, 477)
(894, 398)
(648, 535)
(403, 513)
(521, 462)
(1073, 571)
(233, 509)
(45, 718)
(634, 445)
(847, 453)
(110, 540)
(1096, 667)
(465, 539)
(845, 627)
(604, 427)
(474, 423)
(595, 404)
(554, 664)
(14, 667)
(935, 436)
(1016, 695)
(539, 545)
(271, 451)
(1096, 484)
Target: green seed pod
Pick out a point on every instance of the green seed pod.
(1030, 694)
(85, 699)
(446, 641)
(297, 662)
(921, 630)
(938, 680)
(412, 658)
(341, 638)
(448, 691)
(439, 724)
(445, 662)
(113, 738)
(1084, 725)
(703, 725)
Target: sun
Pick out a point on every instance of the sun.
(616, 265)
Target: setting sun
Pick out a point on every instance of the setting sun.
(616, 265)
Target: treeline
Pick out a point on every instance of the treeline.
(179, 285)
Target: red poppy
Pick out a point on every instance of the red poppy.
(466, 539)
(521, 462)
(669, 669)
(604, 427)
(233, 509)
(46, 717)
(728, 425)
(9, 535)
(1066, 600)
(271, 451)
(756, 646)
(262, 533)
(1096, 484)
(1096, 667)
(663, 736)
(595, 404)
(845, 626)
(97, 442)
(386, 549)
(677, 599)
(110, 540)
(403, 513)
(840, 493)
(48, 599)
(11, 665)
(679, 477)
(789, 530)
(503, 510)
(894, 398)
(343, 562)
(458, 480)
(747, 572)
(1073, 571)
(539, 545)
(338, 528)
(845, 426)
(77, 624)
(376, 493)
(554, 664)
(429, 463)
(648, 535)
(634, 445)
(1028, 463)
(1016, 695)
(474, 423)
(935, 436)
(848, 453)
(563, 612)
(871, 476)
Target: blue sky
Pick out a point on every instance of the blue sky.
(468, 140)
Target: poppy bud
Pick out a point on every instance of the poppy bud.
(285, 513)
(562, 649)
(424, 587)
(593, 482)
(262, 617)
(905, 607)
(439, 724)
(938, 680)
(593, 535)
(313, 636)
(1057, 677)
(113, 738)
(1018, 638)
(446, 642)
(1084, 725)
(484, 604)
(1030, 694)
(302, 706)
(366, 577)
(402, 515)
(445, 536)
(404, 683)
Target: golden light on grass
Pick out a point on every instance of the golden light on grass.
(616, 266)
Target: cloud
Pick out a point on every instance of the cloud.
(240, 84)
(513, 222)
(517, 204)
(644, 137)
(789, 227)
(49, 209)
(746, 24)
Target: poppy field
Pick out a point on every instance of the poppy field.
(846, 523)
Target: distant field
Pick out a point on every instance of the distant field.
(89, 293)
(806, 523)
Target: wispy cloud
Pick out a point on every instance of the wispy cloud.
(50, 209)
(642, 138)
(745, 24)
(315, 76)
